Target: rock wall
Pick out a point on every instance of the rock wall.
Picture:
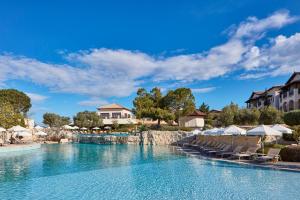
(109, 139)
(144, 138)
(163, 137)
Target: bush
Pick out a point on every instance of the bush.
(267, 146)
(290, 154)
(292, 118)
(170, 128)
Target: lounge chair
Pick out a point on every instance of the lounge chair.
(224, 148)
(272, 155)
(217, 147)
(248, 154)
(229, 153)
(214, 145)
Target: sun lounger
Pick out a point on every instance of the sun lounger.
(217, 147)
(248, 154)
(229, 153)
(223, 148)
(272, 155)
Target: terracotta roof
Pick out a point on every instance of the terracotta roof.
(197, 113)
(291, 78)
(112, 106)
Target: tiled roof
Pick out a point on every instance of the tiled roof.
(112, 106)
(197, 113)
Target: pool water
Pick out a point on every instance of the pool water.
(87, 171)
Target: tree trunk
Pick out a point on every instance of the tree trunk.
(158, 122)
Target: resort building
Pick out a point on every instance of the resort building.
(260, 99)
(285, 98)
(115, 113)
(194, 120)
(290, 94)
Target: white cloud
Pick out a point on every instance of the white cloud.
(93, 102)
(36, 97)
(279, 58)
(254, 27)
(102, 73)
(203, 90)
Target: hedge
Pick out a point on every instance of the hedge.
(292, 118)
(290, 154)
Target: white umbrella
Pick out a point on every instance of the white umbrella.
(38, 127)
(96, 128)
(75, 127)
(213, 131)
(264, 130)
(282, 129)
(196, 132)
(234, 130)
(83, 128)
(23, 133)
(17, 129)
(107, 127)
(67, 127)
(2, 129)
(41, 133)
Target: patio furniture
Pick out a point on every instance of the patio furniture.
(248, 154)
(237, 149)
(272, 155)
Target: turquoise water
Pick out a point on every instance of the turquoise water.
(86, 171)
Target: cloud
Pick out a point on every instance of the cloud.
(93, 102)
(280, 57)
(102, 73)
(254, 27)
(203, 90)
(36, 97)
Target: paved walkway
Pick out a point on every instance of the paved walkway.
(290, 166)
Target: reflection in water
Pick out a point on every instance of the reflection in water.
(57, 159)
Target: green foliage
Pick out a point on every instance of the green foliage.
(204, 108)
(247, 116)
(292, 118)
(290, 154)
(9, 117)
(228, 115)
(270, 115)
(181, 102)
(18, 100)
(170, 128)
(296, 133)
(115, 125)
(54, 120)
(151, 105)
(87, 119)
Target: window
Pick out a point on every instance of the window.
(104, 115)
(291, 92)
(116, 115)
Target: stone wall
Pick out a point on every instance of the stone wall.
(146, 138)
(163, 137)
(109, 139)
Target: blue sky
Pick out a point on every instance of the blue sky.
(71, 56)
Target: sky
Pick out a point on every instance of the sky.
(71, 56)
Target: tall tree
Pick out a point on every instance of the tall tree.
(87, 119)
(247, 116)
(20, 102)
(270, 115)
(181, 102)
(151, 105)
(9, 117)
(54, 120)
(228, 114)
(204, 108)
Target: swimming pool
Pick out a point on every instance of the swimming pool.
(87, 171)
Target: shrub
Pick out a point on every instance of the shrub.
(292, 118)
(290, 154)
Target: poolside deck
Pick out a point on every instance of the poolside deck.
(280, 165)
